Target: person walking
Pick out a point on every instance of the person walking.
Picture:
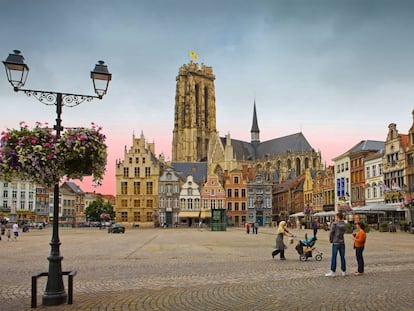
(336, 237)
(256, 227)
(280, 245)
(247, 228)
(315, 225)
(8, 234)
(15, 231)
(359, 244)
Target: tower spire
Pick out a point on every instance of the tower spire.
(255, 132)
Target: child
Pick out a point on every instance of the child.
(8, 234)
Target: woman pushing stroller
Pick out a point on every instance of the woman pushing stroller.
(280, 245)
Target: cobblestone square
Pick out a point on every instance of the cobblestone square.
(198, 269)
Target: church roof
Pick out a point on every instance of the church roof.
(196, 169)
(248, 151)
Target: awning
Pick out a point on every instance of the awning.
(324, 214)
(300, 214)
(378, 207)
(205, 214)
(189, 214)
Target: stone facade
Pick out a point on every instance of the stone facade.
(195, 113)
(393, 164)
(137, 178)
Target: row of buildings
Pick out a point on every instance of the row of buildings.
(253, 181)
(23, 200)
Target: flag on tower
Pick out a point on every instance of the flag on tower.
(193, 55)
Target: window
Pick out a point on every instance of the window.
(213, 204)
(143, 160)
(149, 216)
(124, 216)
(196, 203)
(136, 171)
(190, 203)
(130, 160)
(243, 206)
(136, 160)
(149, 203)
(229, 206)
(190, 191)
(236, 206)
(368, 172)
(137, 203)
(126, 171)
(229, 193)
(147, 171)
(137, 216)
(124, 203)
(236, 179)
(137, 187)
(124, 187)
(149, 187)
(236, 193)
(243, 193)
(374, 171)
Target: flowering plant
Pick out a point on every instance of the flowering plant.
(308, 210)
(30, 154)
(83, 151)
(37, 155)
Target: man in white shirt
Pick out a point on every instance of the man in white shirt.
(15, 231)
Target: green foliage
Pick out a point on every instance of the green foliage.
(349, 228)
(97, 207)
(383, 227)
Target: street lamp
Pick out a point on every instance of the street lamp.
(17, 71)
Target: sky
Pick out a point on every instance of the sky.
(337, 71)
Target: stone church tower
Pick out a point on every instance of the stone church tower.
(195, 113)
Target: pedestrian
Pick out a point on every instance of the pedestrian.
(280, 246)
(315, 227)
(15, 231)
(8, 234)
(359, 243)
(336, 237)
(256, 227)
(247, 228)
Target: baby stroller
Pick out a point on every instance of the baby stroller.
(306, 247)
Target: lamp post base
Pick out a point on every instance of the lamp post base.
(54, 299)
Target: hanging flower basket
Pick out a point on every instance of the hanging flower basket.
(83, 151)
(38, 156)
(30, 154)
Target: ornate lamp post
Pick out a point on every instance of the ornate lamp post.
(17, 72)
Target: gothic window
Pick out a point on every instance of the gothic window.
(206, 106)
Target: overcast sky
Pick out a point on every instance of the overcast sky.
(339, 71)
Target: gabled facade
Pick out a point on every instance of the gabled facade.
(342, 181)
(324, 190)
(289, 197)
(357, 155)
(393, 164)
(259, 205)
(72, 203)
(169, 196)
(409, 160)
(374, 180)
(235, 187)
(190, 206)
(212, 195)
(137, 178)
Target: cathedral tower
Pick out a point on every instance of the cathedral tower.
(195, 113)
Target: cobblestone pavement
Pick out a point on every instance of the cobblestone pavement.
(197, 269)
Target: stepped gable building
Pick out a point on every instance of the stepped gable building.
(195, 137)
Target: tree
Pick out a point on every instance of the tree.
(97, 207)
